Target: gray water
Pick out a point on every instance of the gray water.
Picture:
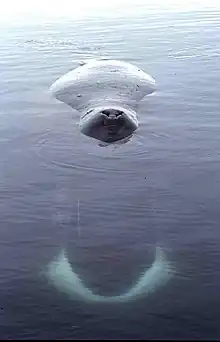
(162, 187)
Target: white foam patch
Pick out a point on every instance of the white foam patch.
(62, 276)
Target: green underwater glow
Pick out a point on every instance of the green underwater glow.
(60, 273)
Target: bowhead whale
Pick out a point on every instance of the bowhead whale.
(106, 93)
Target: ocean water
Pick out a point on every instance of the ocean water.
(162, 187)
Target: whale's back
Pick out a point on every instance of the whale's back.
(103, 80)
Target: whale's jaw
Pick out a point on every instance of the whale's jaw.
(62, 275)
(108, 123)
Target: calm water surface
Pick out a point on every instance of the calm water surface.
(162, 187)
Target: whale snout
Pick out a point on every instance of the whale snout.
(109, 124)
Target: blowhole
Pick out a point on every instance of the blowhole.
(112, 112)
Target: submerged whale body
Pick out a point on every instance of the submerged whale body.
(106, 94)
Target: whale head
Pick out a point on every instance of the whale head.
(105, 93)
(109, 123)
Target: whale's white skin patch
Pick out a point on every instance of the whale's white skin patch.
(106, 93)
(62, 276)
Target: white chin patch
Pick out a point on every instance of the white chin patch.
(60, 273)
